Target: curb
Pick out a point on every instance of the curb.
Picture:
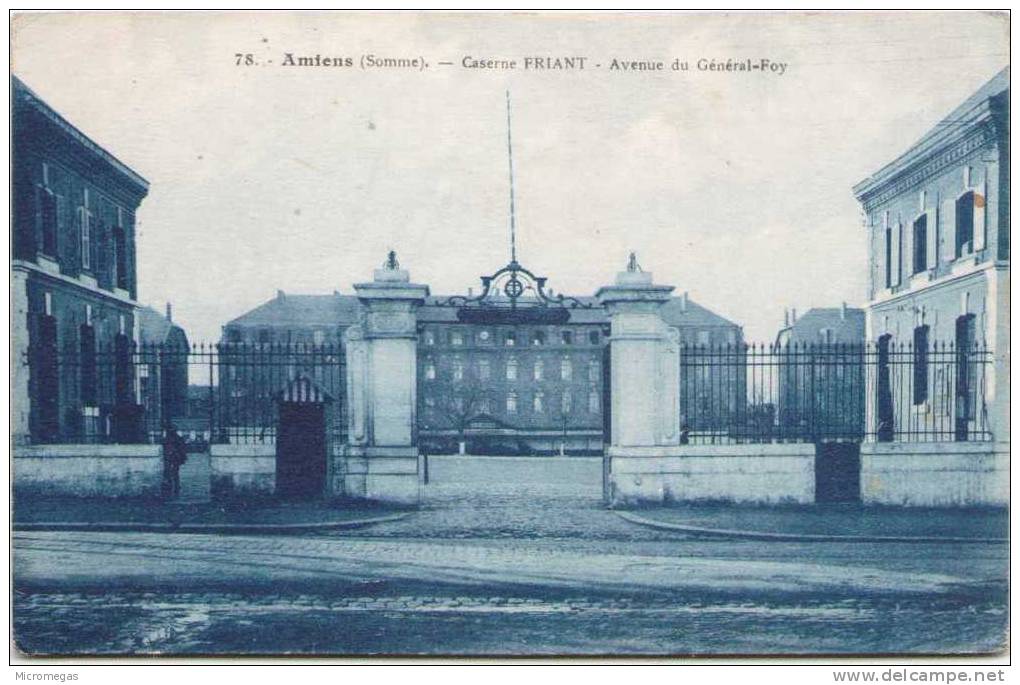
(213, 528)
(791, 537)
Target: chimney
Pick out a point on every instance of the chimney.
(786, 318)
(683, 302)
(336, 293)
(280, 294)
(793, 316)
(471, 291)
(842, 312)
(169, 312)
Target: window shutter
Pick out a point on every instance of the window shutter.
(980, 202)
(932, 257)
(897, 260)
(37, 218)
(948, 217)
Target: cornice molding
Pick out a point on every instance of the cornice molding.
(981, 137)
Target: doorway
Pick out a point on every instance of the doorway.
(301, 450)
(837, 472)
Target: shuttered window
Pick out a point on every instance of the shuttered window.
(920, 244)
(88, 372)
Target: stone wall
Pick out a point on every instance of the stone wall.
(88, 470)
(935, 474)
(753, 474)
(389, 474)
(242, 470)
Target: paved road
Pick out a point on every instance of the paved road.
(507, 556)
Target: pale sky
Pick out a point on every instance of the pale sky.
(734, 187)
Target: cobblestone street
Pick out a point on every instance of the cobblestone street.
(506, 556)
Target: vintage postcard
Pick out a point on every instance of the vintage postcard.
(510, 334)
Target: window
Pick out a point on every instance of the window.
(511, 339)
(456, 338)
(538, 338)
(567, 337)
(825, 336)
(430, 337)
(965, 224)
(483, 369)
(704, 338)
(46, 213)
(921, 244)
(594, 370)
(49, 222)
(484, 337)
(566, 369)
(233, 335)
(593, 337)
(318, 337)
(120, 258)
(511, 402)
(265, 335)
(593, 401)
(565, 403)
(483, 406)
(511, 369)
(89, 390)
(920, 364)
(539, 369)
(536, 403)
(888, 255)
(85, 229)
(430, 370)
(458, 369)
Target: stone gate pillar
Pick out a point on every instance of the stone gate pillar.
(381, 457)
(644, 385)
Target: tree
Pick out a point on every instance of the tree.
(458, 408)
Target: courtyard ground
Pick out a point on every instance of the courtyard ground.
(507, 556)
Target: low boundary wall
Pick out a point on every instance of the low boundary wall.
(752, 474)
(242, 470)
(935, 474)
(88, 470)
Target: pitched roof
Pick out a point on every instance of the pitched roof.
(850, 329)
(296, 311)
(302, 310)
(22, 94)
(155, 329)
(953, 126)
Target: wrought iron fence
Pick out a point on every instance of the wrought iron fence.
(833, 392)
(232, 392)
(221, 393)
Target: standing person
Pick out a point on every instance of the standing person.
(175, 453)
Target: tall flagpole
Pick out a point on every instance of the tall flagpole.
(510, 157)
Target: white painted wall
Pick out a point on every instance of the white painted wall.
(242, 469)
(751, 474)
(935, 474)
(88, 470)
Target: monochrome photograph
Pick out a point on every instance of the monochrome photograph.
(516, 334)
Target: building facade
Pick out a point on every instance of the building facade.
(74, 285)
(822, 374)
(163, 370)
(507, 384)
(938, 265)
